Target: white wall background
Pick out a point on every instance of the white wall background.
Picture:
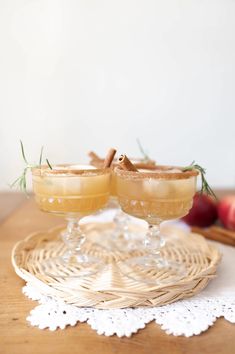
(77, 75)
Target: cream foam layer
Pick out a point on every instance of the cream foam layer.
(70, 167)
(172, 170)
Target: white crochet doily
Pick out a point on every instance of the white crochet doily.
(186, 317)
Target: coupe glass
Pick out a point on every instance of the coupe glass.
(72, 192)
(122, 236)
(159, 194)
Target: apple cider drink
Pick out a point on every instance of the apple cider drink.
(72, 192)
(84, 190)
(122, 235)
(157, 193)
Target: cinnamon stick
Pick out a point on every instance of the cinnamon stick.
(126, 164)
(224, 232)
(93, 156)
(109, 158)
(213, 235)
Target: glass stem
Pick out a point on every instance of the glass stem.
(121, 222)
(73, 237)
(154, 241)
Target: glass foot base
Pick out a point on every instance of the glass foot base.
(71, 266)
(153, 271)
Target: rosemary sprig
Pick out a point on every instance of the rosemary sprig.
(143, 152)
(22, 152)
(40, 159)
(205, 187)
(21, 181)
(49, 165)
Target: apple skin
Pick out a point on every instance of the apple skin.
(203, 212)
(226, 211)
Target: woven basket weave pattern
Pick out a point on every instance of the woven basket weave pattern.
(110, 288)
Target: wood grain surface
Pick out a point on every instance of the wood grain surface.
(17, 336)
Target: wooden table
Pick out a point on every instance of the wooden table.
(18, 218)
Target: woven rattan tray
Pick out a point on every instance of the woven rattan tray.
(110, 288)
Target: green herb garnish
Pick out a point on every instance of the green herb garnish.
(143, 152)
(205, 188)
(40, 159)
(21, 181)
(48, 163)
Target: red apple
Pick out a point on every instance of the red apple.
(203, 213)
(226, 210)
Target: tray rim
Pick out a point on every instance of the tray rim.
(203, 277)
